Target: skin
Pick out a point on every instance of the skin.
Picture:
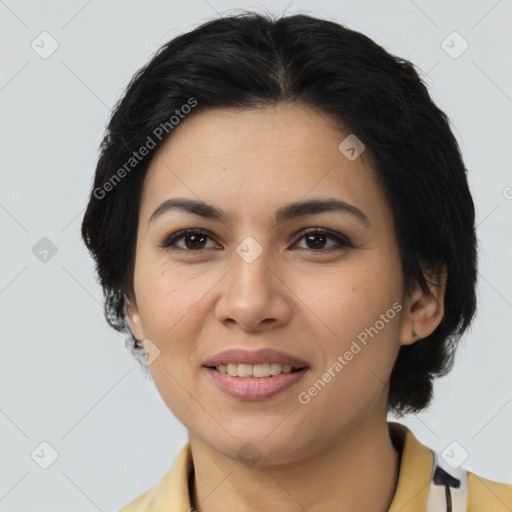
(333, 453)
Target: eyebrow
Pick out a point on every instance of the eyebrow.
(288, 212)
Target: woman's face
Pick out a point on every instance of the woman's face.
(252, 282)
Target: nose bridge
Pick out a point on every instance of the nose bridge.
(251, 268)
(252, 291)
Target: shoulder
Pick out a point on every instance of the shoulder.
(143, 503)
(171, 492)
(488, 495)
(441, 482)
(465, 490)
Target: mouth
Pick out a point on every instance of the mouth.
(255, 374)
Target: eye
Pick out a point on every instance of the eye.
(318, 237)
(194, 240)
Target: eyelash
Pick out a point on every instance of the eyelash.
(341, 240)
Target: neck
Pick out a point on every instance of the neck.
(356, 472)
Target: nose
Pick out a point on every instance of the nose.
(254, 294)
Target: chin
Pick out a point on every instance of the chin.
(258, 448)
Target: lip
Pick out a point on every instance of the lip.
(255, 388)
(265, 355)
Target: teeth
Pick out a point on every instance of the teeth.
(232, 369)
(245, 370)
(254, 370)
(275, 369)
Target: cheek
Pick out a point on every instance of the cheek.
(359, 311)
(170, 309)
(359, 357)
(165, 299)
(347, 300)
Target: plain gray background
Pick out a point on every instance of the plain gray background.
(66, 377)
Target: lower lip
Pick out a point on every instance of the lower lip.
(255, 388)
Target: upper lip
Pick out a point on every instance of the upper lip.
(264, 355)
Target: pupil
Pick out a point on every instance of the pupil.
(192, 238)
(312, 236)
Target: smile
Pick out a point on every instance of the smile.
(255, 370)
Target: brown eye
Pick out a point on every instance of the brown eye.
(317, 238)
(194, 240)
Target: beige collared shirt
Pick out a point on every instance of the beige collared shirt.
(172, 494)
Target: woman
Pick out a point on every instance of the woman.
(281, 218)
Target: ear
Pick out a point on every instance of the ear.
(423, 312)
(133, 319)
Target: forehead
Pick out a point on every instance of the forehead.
(254, 159)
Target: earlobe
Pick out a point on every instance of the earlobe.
(133, 319)
(424, 312)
